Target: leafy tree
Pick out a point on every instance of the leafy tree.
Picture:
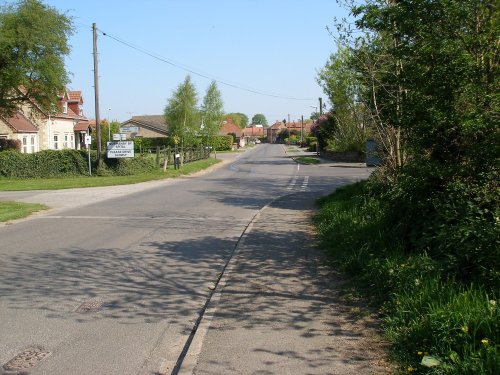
(181, 114)
(244, 120)
(259, 119)
(33, 44)
(212, 112)
(339, 82)
(236, 118)
(314, 116)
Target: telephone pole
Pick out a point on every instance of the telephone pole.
(96, 93)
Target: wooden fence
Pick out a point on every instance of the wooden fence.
(165, 156)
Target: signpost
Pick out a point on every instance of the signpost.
(120, 149)
(88, 142)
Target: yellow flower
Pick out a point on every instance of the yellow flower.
(485, 342)
(411, 369)
(465, 329)
(420, 353)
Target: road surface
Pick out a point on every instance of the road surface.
(114, 279)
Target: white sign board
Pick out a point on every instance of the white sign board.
(121, 149)
(88, 139)
(117, 137)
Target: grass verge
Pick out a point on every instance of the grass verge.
(17, 210)
(436, 325)
(307, 160)
(93, 181)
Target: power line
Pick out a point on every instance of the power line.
(194, 72)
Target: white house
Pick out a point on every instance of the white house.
(64, 128)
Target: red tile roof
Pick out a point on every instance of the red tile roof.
(254, 131)
(228, 126)
(21, 124)
(81, 126)
(75, 96)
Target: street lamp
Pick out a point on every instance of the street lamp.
(109, 127)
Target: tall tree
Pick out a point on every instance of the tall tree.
(259, 119)
(212, 112)
(33, 44)
(338, 80)
(244, 120)
(181, 114)
(235, 118)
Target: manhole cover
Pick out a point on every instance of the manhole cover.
(90, 306)
(26, 359)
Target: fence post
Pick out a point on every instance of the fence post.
(157, 155)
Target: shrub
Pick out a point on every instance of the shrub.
(223, 143)
(433, 314)
(128, 166)
(43, 164)
(10, 144)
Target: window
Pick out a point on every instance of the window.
(33, 144)
(25, 145)
(65, 107)
(56, 142)
(65, 141)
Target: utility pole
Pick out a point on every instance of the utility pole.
(320, 106)
(96, 92)
(302, 130)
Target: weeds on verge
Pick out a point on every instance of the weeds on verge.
(436, 322)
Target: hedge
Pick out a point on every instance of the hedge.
(223, 143)
(43, 164)
(62, 163)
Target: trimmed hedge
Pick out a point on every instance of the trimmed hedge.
(223, 143)
(127, 166)
(62, 163)
(43, 164)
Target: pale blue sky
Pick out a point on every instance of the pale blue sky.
(270, 46)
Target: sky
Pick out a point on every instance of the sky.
(264, 54)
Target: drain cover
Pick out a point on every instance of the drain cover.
(90, 306)
(26, 359)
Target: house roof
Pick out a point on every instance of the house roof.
(20, 124)
(255, 131)
(155, 122)
(82, 126)
(75, 96)
(277, 125)
(228, 126)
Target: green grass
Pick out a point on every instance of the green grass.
(307, 160)
(436, 325)
(93, 181)
(18, 210)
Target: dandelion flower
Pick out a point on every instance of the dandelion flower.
(485, 342)
(411, 369)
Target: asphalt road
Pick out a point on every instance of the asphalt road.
(112, 280)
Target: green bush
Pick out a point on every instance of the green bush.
(128, 166)
(223, 143)
(43, 164)
(433, 314)
(10, 144)
(60, 163)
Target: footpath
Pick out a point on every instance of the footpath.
(277, 308)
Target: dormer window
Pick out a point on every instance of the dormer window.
(65, 108)
(80, 110)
